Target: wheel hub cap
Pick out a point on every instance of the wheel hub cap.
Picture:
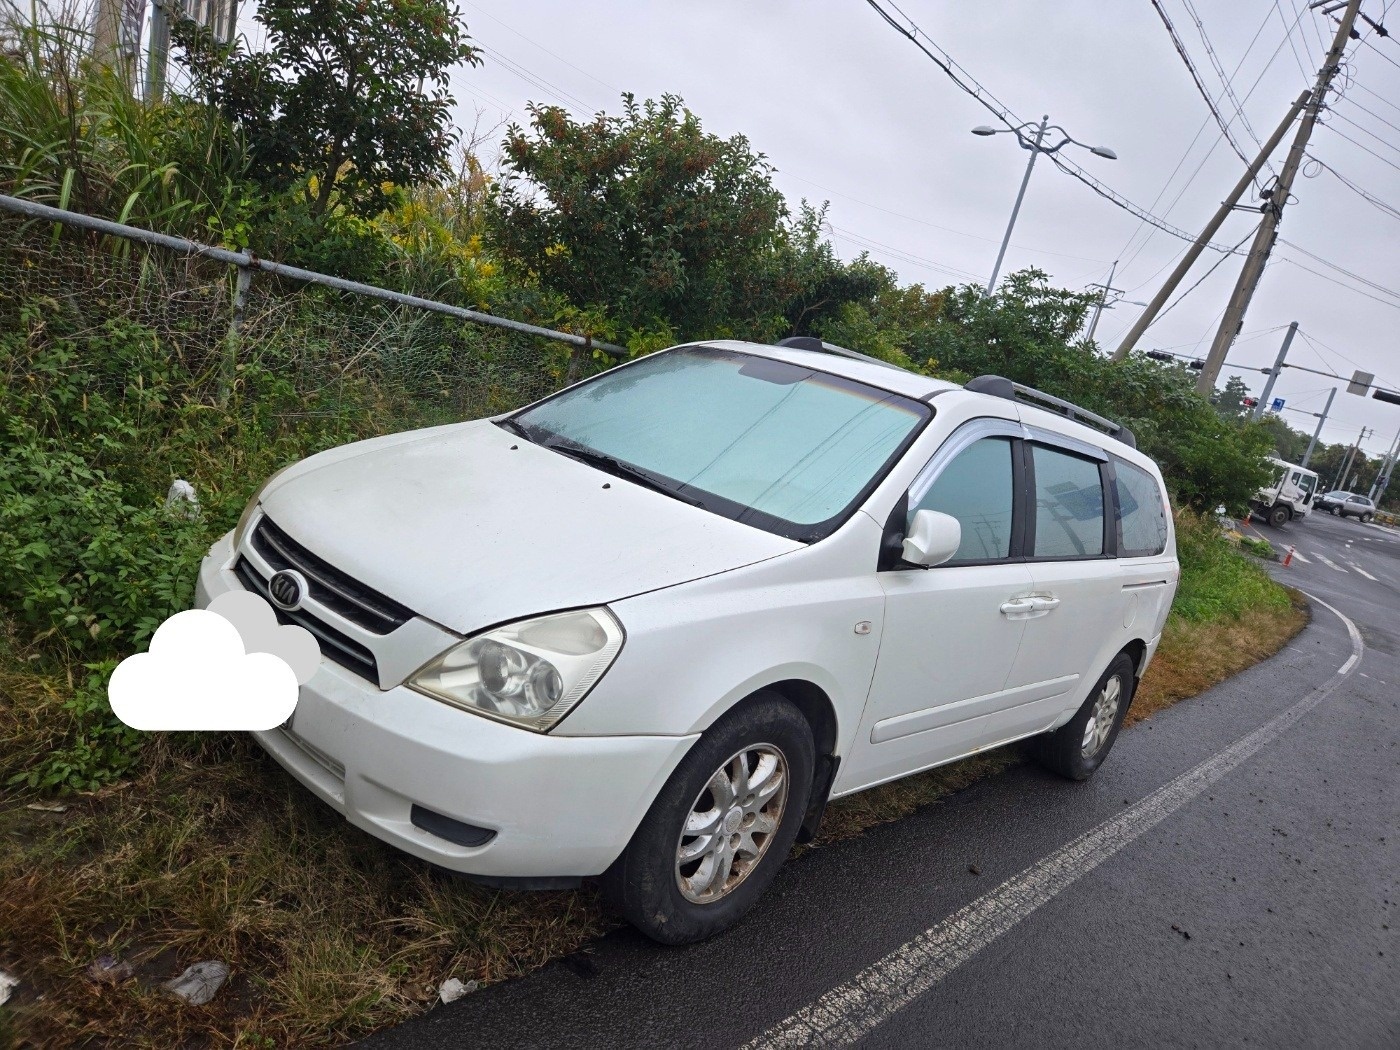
(731, 823)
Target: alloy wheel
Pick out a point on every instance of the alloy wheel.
(731, 823)
(1102, 717)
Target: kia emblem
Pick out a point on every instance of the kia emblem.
(287, 589)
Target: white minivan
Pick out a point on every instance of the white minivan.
(647, 627)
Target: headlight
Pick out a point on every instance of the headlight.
(529, 674)
(247, 516)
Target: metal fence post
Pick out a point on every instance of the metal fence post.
(235, 332)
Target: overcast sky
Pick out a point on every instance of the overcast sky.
(851, 112)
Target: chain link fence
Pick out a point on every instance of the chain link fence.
(424, 361)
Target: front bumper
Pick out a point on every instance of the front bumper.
(560, 806)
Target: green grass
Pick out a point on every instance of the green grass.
(1216, 582)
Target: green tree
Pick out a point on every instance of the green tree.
(643, 217)
(1023, 332)
(347, 101)
(1229, 400)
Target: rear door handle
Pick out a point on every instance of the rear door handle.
(1044, 603)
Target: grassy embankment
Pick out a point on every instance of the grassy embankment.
(210, 851)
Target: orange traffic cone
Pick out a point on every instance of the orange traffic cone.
(1247, 512)
(1288, 558)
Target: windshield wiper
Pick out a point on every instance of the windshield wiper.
(619, 469)
(518, 429)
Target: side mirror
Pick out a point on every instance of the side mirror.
(932, 539)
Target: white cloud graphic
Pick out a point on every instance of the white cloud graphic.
(198, 675)
(261, 633)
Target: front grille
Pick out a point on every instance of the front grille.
(335, 645)
(329, 586)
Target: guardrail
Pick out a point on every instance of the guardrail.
(247, 264)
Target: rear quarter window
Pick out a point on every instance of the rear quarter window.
(1142, 512)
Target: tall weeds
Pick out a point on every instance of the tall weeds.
(73, 134)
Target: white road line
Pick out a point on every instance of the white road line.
(1298, 556)
(854, 1009)
(1328, 561)
(1359, 569)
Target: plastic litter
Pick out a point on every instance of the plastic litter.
(108, 969)
(198, 984)
(7, 985)
(181, 499)
(452, 989)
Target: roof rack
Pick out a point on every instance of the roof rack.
(1000, 386)
(811, 342)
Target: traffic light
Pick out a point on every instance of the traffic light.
(1196, 365)
(1392, 396)
(1160, 355)
(1249, 402)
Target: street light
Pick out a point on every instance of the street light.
(1036, 147)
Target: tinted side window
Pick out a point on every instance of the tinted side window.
(1068, 505)
(976, 488)
(1142, 516)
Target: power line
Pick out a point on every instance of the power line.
(1287, 39)
(1200, 85)
(1201, 280)
(1361, 127)
(1361, 146)
(1341, 284)
(1341, 269)
(1389, 209)
(1372, 113)
(1378, 51)
(936, 226)
(898, 253)
(969, 85)
(1220, 72)
(1373, 94)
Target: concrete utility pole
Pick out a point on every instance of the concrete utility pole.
(1341, 482)
(1267, 233)
(1387, 468)
(1278, 367)
(1099, 307)
(1194, 252)
(1321, 422)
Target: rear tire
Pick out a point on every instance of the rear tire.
(1279, 516)
(1366, 519)
(1079, 746)
(721, 827)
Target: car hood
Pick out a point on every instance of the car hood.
(471, 526)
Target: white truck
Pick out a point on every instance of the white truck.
(1289, 496)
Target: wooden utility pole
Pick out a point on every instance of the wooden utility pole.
(1194, 252)
(1267, 233)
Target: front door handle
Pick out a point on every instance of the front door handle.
(1018, 608)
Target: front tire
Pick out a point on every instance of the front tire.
(1078, 747)
(721, 827)
(1365, 519)
(1278, 516)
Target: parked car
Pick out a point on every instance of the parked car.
(1288, 496)
(647, 627)
(1347, 505)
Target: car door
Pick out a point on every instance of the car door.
(951, 632)
(1076, 582)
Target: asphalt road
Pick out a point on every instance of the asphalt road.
(1231, 876)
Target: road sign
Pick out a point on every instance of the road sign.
(1276, 405)
(1360, 382)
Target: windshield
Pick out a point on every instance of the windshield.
(785, 448)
